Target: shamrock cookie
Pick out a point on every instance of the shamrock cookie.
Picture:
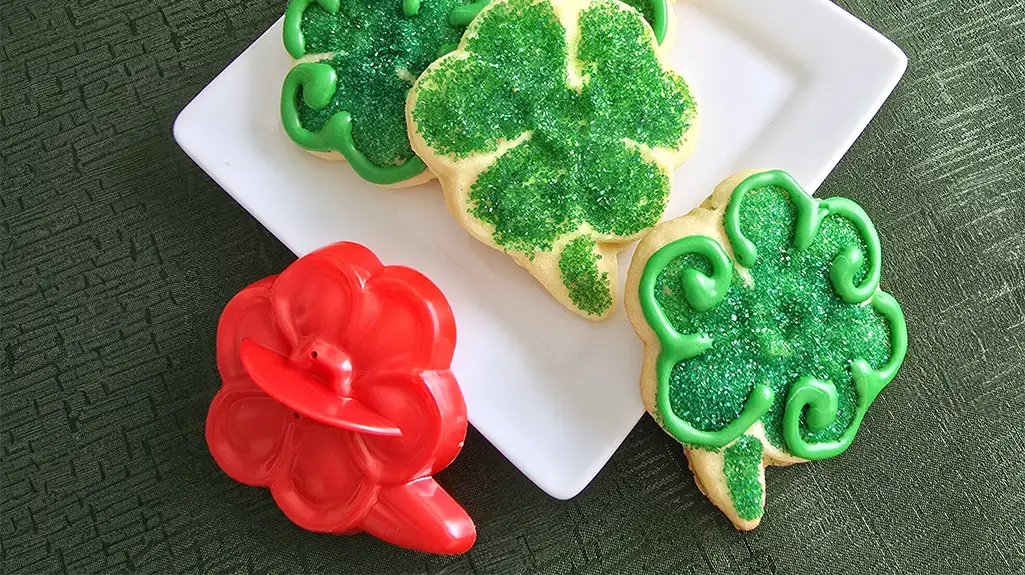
(554, 129)
(766, 336)
(355, 60)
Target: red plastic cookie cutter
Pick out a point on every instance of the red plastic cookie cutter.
(337, 395)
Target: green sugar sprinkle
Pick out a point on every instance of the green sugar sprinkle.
(789, 324)
(377, 52)
(376, 103)
(574, 166)
(579, 266)
(741, 466)
(642, 6)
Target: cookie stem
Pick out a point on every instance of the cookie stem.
(742, 467)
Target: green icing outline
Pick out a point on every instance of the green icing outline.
(820, 396)
(292, 33)
(810, 213)
(660, 14)
(707, 292)
(704, 292)
(318, 82)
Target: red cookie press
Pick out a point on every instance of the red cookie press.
(337, 395)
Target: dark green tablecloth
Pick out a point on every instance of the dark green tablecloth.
(119, 253)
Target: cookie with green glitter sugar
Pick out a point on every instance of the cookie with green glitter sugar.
(557, 150)
(355, 60)
(763, 324)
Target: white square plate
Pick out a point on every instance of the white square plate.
(780, 85)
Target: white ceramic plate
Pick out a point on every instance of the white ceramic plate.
(780, 84)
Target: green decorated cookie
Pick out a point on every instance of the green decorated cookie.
(354, 63)
(766, 334)
(554, 128)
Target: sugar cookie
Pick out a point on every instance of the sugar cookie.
(554, 129)
(766, 336)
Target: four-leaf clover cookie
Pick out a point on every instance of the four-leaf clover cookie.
(354, 62)
(766, 334)
(554, 129)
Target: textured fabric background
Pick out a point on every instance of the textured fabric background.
(118, 254)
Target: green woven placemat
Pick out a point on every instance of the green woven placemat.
(119, 253)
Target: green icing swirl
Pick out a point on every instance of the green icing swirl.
(576, 158)
(374, 103)
(788, 347)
